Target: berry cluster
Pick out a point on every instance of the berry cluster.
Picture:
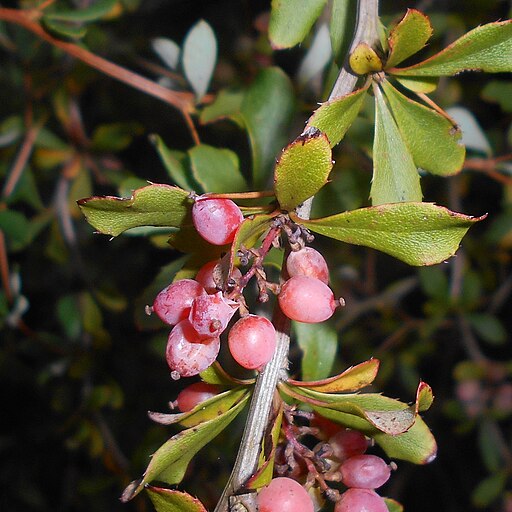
(200, 309)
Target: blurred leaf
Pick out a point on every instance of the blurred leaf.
(341, 26)
(395, 177)
(489, 490)
(216, 170)
(94, 11)
(63, 29)
(319, 344)
(291, 21)
(393, 505)
(26, 191)
(169, 463)
(18, 230)
(154, 205)
(488, 327)
(266, 112)
(317, 57)
(434, 282)
(417, 233)
(487, 48)
(69, 316)
(227, 104)
(489, 445)
(11, 130)
(302, 169)
(199, 57)
(335, 117)
(114, 136)
(408, 37)
(473, 137)
(499, 91)
(434, 142)
(167, 50)
(168, 500)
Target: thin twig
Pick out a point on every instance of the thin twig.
(4, 269)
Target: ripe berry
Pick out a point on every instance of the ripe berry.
(210, 276)
(173, 303)
(365, 472)
(308, 262)
(284, 495)
(210, 314)
(188, 353)
(360, 500)
(252, 341)
(306, 299)
(348, 443)
(216, 220)
(194, 394)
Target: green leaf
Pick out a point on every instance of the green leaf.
(169, 500)
(319, 344)
(94, 11)
(426, 84)
(154, 205)
(291, 21)
(18, 230)
(393, 505)
(216, 375)
(249, 233)
(489, 489)
(335, 117)
(487, 48)
(114, 136)
(352, 379)
(169, 463)
(424, 397)
(266, 112)
(489, 328)
(341, 26)
(69, 316)
(302, 169)
(433, 141)
(490, 447)
(395, 177)
(68, 31)
(499, 91)
(216, 170)
(227, 104)
(408, 37)
(416, 233)
(199, 57)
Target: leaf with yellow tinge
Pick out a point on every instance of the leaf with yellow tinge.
(302, 169)
(416, 233)
(216, 375)
(424, 397)
(170, 500)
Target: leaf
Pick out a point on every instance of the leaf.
(416, 233)
(433, 141)
(490, 447)
(302, 169)
(395, 177)
(169, 463)
(489, 489)
(216, 170)
(67, 31)
(18, 230)
(227, 104)
(487, 48)
(473, 137)
(425, 84)
(216, 375)
(408, 37)
(167, 50)
(499, 91)
(266, 112)
(319, 344)
(114, 136)
(335, 117)
(341, 26)
(364, 60)
(393, 505)
(352, 379)
(169, 500)
(199, 57)
(424, 397)
(317, 57)
(94, 11)
(154, 205)
(291, 21)
(488, 327)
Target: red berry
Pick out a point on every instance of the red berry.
(306, 299)
(173, 303)
(210, 314)
(210, 276)
(252, 341)
(360, 500)
(365, 471)
(284, 495)
(216, 220)
(308, 262)
(348, 443)
(188, 353)
(194, 394)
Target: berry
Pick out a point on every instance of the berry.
(306, 299)
(348, 443)
(308, 262)
(284, 495)
(360, 500)
(252, 341)
(210, 314)
(173, 303)
(210, 276)
(188, 353)
(194, 394)
(216, 220)
(365, 471)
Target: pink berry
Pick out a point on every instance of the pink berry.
(194, 394)
(210, 276)
(216, 220)
(348, 443)
(360, 500)
(252, 341)
(173, 303)
(308, 262)
(284, 495)
(306, 299)
(210, 314)
(188, 353)
(365, 472)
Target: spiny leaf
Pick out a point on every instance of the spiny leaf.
(416, 233)
(170, 500)
(424, 397)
